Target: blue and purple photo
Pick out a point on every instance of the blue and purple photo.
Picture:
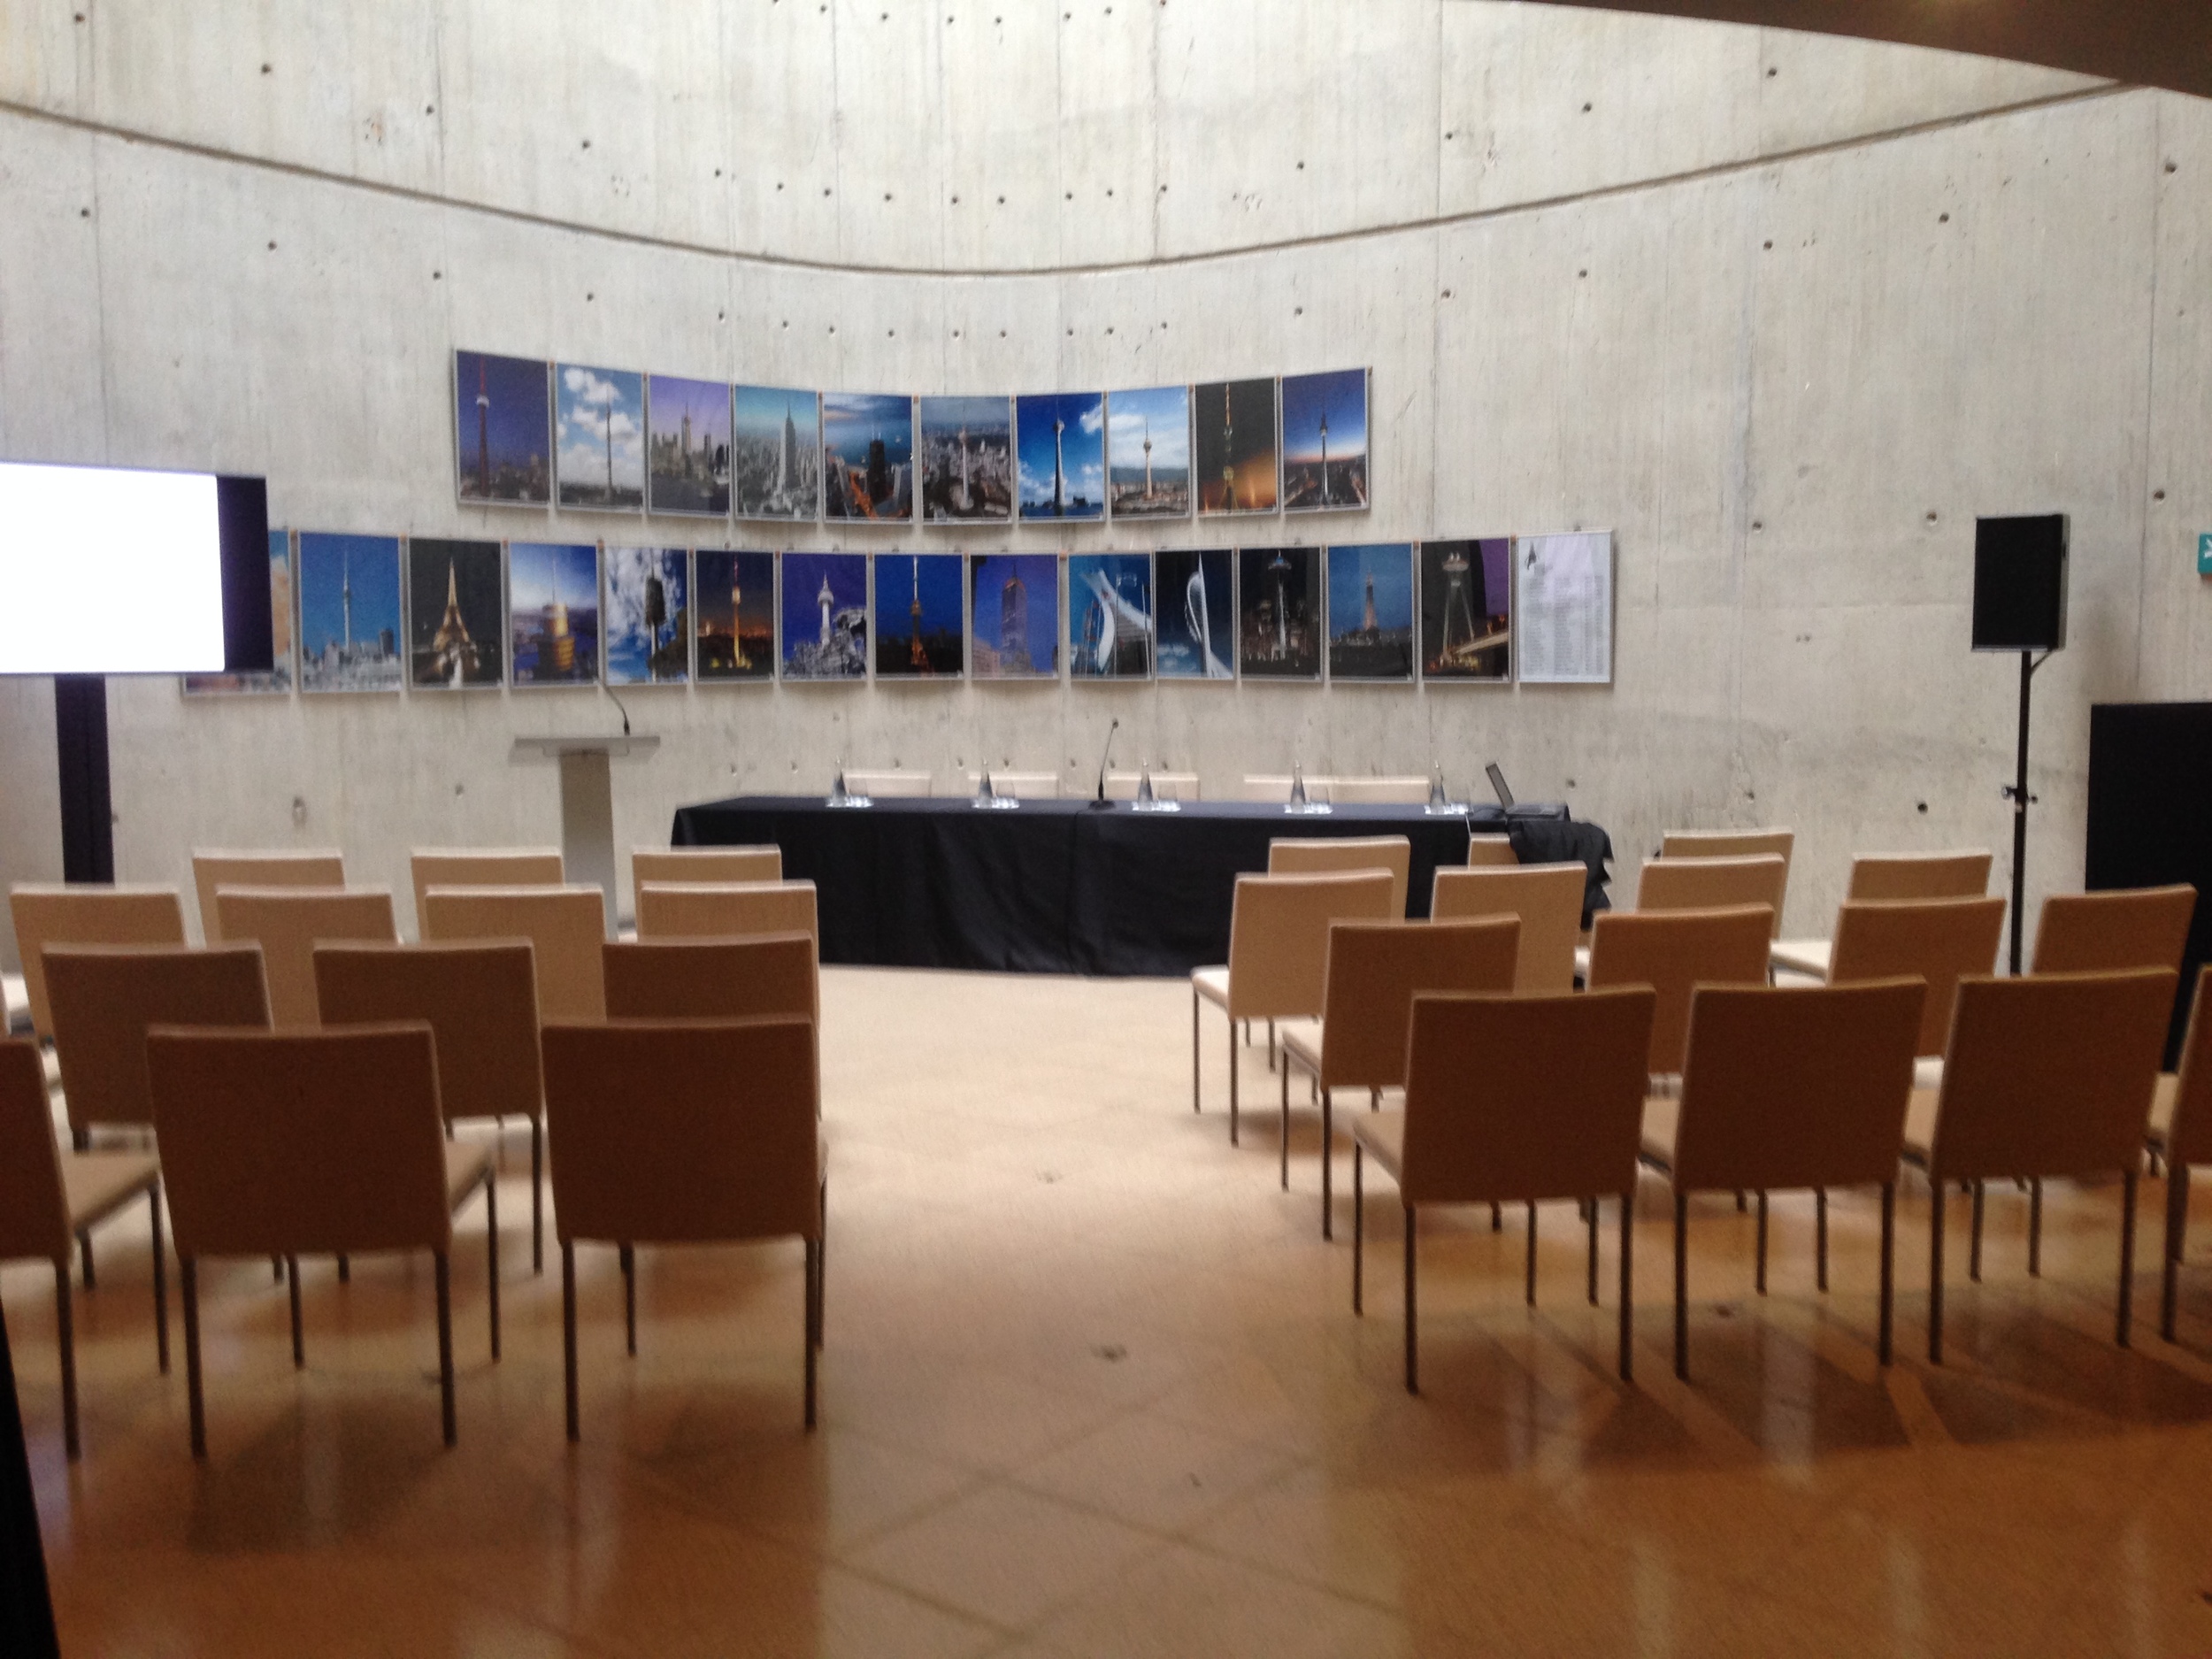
(1015, 604)
(553, 612)
(687, 446)
(649, 616)
(1110, 616)
(503, 419)
(1060, 439)
(825, 616)
(1370, 611)
(350, 625)
(919, 632)
(1466, 608)
(1195, 621)
(1324, 441)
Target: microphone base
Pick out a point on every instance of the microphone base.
(1101, 806)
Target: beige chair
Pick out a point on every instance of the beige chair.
(481, 1003)
(1278, 952)
(312, 1143)
(890, 785)
(54, 913)
(1379, 791)
(1674, 952)
(287, 923)
(1019, 786)
(564, 924)
(1265, 787)
(1374, 969)
(1313, 855)
(1513, 1100)
(1729, 844)
(2181, 1133)
(728, 909)
(1936, 940)
(1784, 1090)
(1878, 876)
(214, 869)
(703, 863)
(1486, 850)
(2051, 1074)
(768, 976)
(1547, 898)
(685, 1132)
(1711, 884)
(48, 1197)
(1166, 786)
(2132, 927)
(481, 867)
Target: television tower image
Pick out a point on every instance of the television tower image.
(825, 600)
(788, 454)
(916, 658)
(606, 419)
(1367, 622)
(1013, 626)
(1280, 565)
(345, 594)
(1459, 617)
(1058, 499)
(1147, 457)
(1228, 451)
(560, 644)
(737, 614)
(452, 653)
(483, 433)
(1325, 466)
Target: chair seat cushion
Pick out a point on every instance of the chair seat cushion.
(2162, 1098)
(1920, 1124)
(1808, 956)
(1211, 983)
(1383, 1134)
(1302, 1040)
(466, 1162)
(1663, 1117)
(97, 1183)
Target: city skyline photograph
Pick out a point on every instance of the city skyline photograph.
(1147, 452)
(824, 616)
(553, 612)
(456, 616)
(1278, 612)
(1237, 450)
(648, 615)
(687, 445)
(1014, 612)
(868, 457)
(776, 453)
(919, 620)
(967, 458)
(599, 438)
(1466, 608)
(351, 631)
(1370, 611)
(1324, 441)
(279, 677)
(1061, 438)
(734, 605)
(1194, 613)
(1110, 616)
(502, 417)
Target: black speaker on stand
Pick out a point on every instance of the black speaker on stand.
(2020, 606)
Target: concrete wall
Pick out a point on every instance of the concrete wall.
(1784, 313)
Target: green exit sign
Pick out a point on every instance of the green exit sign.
(2204, 555)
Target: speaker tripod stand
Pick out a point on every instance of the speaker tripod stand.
(2016, 792)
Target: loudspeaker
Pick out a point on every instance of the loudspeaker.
(2020, 583)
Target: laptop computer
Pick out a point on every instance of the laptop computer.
(1497, 782)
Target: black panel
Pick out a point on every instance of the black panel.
(2020, 584)
(243, 507)
(26, 1610)
(80, 744)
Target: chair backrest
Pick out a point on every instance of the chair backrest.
(481, 867)
(1524, 1097)
(300, 1142)
(2132, 927)
(1374, 972)
(1796, 1088)
(480, 1001)
(1310, 855)
(324, 868)
(1728, 844)
(1278, 937)
(2189, 1137)
(724, 910)
(1490, 850)
(766, 976)
(1166, 786)
(53, 913)
(667, 1132)
(287, 923)
(707, 864)
(1276, 786)
(1956, 875)
(2051, 1073)
(105, 998)
(1020, 786)
(1406, 791)
(1935, 940)
(1711, 884)
(565, 925)
(1673, 952)
(34, 1209)
(891, 785)
(1547, 898)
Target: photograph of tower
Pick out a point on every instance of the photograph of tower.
(919, 630)
(1194, 618)
(1467, 610)
(687, 446)
(1062, 437)
(1110, 616)
(648, 615)
(825, 616)
(503, 419)
(599, 438)
(280, 678)
(350, 625)
(967, 464)
(868, 457)
(1370, 611)
(1278, 612)
(1147, 452)
(776, 453)
(456, 615)
(553, 612)
(1233, 426)
(1014, 616)
(734, 600)
(1324, 441)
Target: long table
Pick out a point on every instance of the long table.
(1049, 886)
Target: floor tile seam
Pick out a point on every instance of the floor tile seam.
(1153, 1547)
(1183, 1534)
(572, 1642)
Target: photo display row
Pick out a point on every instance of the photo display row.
(533, 433)
(369, 613)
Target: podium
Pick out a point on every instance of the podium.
(586, 802)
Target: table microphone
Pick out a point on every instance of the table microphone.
(1104, 761)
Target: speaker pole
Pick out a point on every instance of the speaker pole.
(2018, 791)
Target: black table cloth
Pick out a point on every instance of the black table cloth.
(1063, 886)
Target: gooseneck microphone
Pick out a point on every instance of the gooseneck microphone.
(617, 703)
(1104, 761)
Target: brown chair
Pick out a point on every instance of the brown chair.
(2051, 1074)
(1016, 786)
(1374, 969)
(54, 913)
(724, 910)
(1783, 1090)
(1729, 844)
(1879, 877)
(312, 1143)
(703, 864)
(481, 867)
(1400, 791)
(1275, 786)
(1166, 786)
(898, 784)
(481, 1003)
(1491, 849)
(766, 976)
(1313, 855)
(213, 870)
(1547, 898)
(565, 926)
(2129, 927)
(1278, 952)
(692, 1132)
(1514, 1100)
(1674, 952)
(48, 1197)
(1711, 884)
(287, 923)
(2181, 1133)
(1936, 940)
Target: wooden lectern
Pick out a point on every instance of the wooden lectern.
(588, 802)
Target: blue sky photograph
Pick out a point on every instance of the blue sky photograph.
(540, 576)
(631, 641)
(599, 432)
(1082, 419)
(1391, 565)
(1341, 396)
(327, 563)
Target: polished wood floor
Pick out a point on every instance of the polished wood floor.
(1093, 1385)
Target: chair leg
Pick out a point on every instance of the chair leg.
(821, 1267)
(2176, 1230)
(1974, 1244)
(491, 1253)
(1528, 1293)
(629, 1299)
(1497, 1220)
(1594, 1252)
(1270, 1045)
(276, 1270)
(1193, 1047)
(2127, 1258)
(568, 1331)
(1820, 1237)
(1286, 1083)
(292, 1277)
(1889, 1263)
(161, 1279)
(1681, 1286)
(813, 1281)
(1359, 1224)
(345, 1268)
(84, 1250)
(537, 1196)
(1233, 1092)
(1935, 1275)
(445, 1342)
(2035, 1228)
(1328, 1162)
(188, 1287)
(1628, 1282)
(65, 1340)
(1413, 1343)
(1759, 1269)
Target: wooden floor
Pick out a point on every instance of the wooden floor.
(1092, 1384)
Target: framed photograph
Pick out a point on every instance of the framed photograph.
(599, 438)
(1324, 441)
(1014, 610)
(687, 446)
(776, 453)
(735, 599)
(351, 625)
(920, 620)
(1110, 616)
(278, 679)
(502, 423)
(1147, 452)
(553, 612)
(1194, 616)
(1278, 612)
(1564, 589)
(867, 458)
(1466, 609)
(456, 615)
(1370, 611)
(1063, 438)
(967, 464)
(1233, 425)
(648, 615)
(825, 616)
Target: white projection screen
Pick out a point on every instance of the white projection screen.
(105, 571)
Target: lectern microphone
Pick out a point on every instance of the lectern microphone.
(1104, 761)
